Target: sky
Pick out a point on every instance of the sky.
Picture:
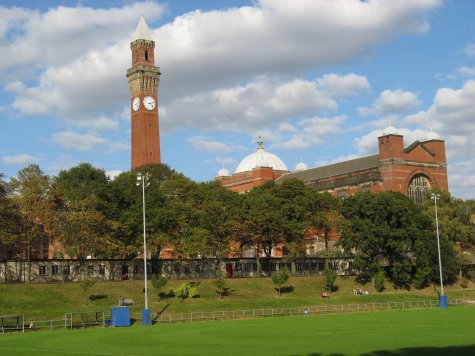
(318, 80)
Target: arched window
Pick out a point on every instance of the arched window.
(418, 187)
(146, 56)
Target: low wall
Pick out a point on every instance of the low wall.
(71, 270)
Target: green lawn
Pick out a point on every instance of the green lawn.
(411, 332)
(51, 301)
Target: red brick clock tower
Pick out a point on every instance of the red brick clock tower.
(143, 79)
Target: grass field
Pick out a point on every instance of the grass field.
(51, 301)
(432, 332)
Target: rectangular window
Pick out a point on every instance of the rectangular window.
(177, 269)
(198, 268)
(77, 269)
(90, 270)
(321, 266)
(247, 267)
(299, 266)
(237, 267)
(54, 270)
(136, 269)
(42, 270)
(254, 267)
(102, 269)
(187, 269)
(67, 270)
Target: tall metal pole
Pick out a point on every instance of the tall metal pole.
(442, 299)
(144, 244)
(146, 319)
(435, 197)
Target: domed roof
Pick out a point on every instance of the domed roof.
(223, 172)
(432, 135)
(301, 167)
(390, 130)
(261, 158)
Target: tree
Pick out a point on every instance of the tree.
(9, 217)
(30, 192)
(220, 283)
(279, 278)
(83, 218)
(158, 283)
(387, 230)
(330, 278)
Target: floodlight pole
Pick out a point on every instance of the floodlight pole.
(443, 298)
(141, 179)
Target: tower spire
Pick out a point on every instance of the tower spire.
(142, 32)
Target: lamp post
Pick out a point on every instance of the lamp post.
(443, 297)
(146, 316)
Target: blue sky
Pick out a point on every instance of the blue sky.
(318, 80)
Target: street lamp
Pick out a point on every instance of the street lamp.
(146, 317)
(443, 297)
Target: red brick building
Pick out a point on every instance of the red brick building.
(411, 170)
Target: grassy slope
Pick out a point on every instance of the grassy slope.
(416, 332)
(51, 301)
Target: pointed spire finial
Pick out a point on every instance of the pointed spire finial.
(142, 32)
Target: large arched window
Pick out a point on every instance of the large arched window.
(418, 187)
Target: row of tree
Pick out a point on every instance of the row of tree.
(89, 214)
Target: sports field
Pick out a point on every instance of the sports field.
(408, 332)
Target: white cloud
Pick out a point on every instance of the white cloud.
(342, 85)
(114, 173)
(470, 50)
(119, 146)
(390, 102)
(308, 132)
(465, 71)
(208, 144)
(21, 159)
(77, 142)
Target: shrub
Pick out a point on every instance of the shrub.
(185, 291)
(379, 281)
(463, 282)
(87, 284)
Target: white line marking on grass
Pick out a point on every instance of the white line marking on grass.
(66, 352)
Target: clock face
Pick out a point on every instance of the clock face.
(136, 103)
(149, 103)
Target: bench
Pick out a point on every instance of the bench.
(123, 302)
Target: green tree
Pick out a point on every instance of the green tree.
(10, 219)
(387, 230)
(158, 282)
(330, 278)
(279, 278)
(83, 218)
(220, 283)
(30, 192)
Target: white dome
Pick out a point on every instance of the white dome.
(390, 130)
(223, 172)
(261, 158)
(301, 167)
(432, 136)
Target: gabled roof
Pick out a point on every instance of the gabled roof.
(335, 169)
(417, 144)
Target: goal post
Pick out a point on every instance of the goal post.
(12, 323)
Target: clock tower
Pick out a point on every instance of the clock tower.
(143, 79)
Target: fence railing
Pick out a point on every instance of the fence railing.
(308, 310)
(100, 318)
